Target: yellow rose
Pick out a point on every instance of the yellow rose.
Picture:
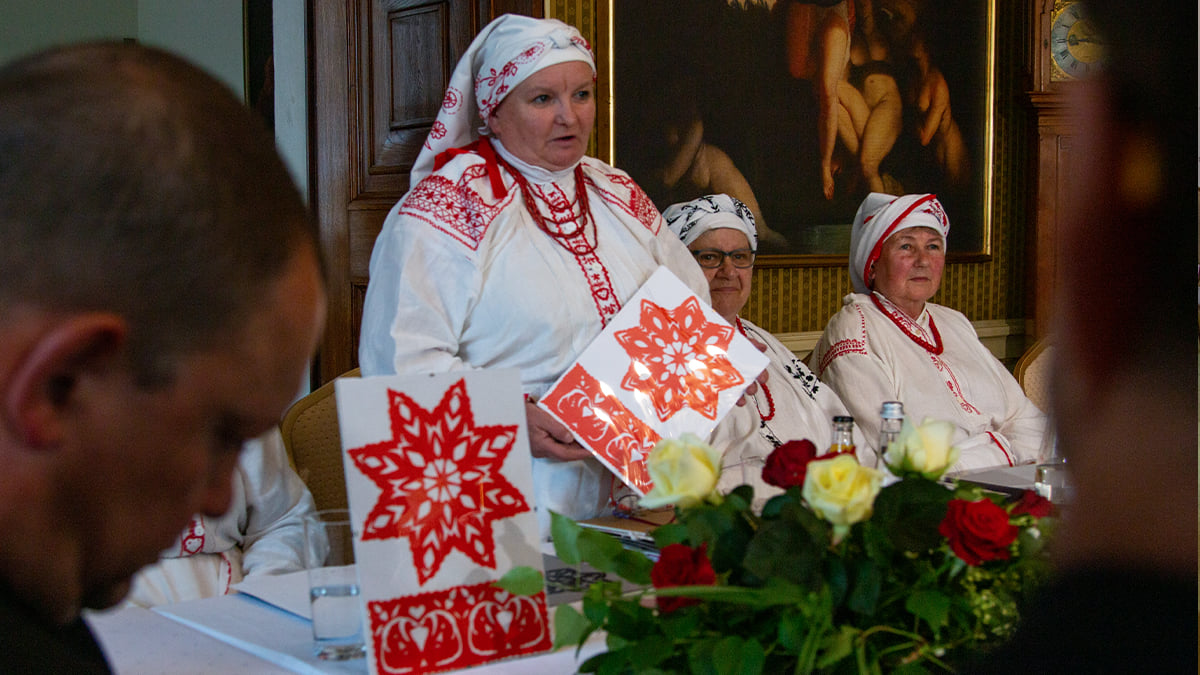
(684, 471)
(841, 491)
(923, 450)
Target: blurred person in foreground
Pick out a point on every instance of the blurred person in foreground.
(160, 295)
(1124, 375)
(261, 533)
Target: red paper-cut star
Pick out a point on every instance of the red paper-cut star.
(679, 359)
(441, 481)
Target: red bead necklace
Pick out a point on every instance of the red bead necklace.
(902, 324)
(576, 240)
(761, 385)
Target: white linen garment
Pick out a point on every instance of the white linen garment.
(262, 533)
(462, 278)
(867, 358)
(792, 405)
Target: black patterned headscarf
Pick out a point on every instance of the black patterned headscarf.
(689, 220)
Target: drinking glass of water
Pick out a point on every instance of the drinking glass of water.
(1052, 477)
(333, 586)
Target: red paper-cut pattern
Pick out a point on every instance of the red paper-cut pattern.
(456, 628)
(605, 425)
(440, 480)
(679, 359)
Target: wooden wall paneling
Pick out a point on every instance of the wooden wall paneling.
(329, 136)
(380, 69)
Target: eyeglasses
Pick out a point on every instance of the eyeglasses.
(713, 258)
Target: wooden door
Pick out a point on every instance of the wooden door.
(378, 71)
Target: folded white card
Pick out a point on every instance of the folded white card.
(667, 364)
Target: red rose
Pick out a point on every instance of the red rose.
(1033, 504)
(680, 565)
(787, 464)
(978, 531)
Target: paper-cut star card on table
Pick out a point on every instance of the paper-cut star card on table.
(438, 475)
(666, 364)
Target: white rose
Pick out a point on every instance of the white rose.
(923, 449)
(684, 471)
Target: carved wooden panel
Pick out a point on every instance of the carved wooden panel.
(406, 51)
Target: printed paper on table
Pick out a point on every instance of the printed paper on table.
(665, 365)
(438, 475)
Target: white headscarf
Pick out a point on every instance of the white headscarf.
(690, 220)
(506, 52)
(879, 217)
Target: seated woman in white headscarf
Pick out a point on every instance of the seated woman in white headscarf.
(512, 249)
(889, 343)
(791, 404)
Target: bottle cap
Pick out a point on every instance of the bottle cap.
(844, 418)
(892, 410)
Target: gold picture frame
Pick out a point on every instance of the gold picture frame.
(719, 53)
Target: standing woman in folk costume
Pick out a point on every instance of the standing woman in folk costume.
(512, 249)
(888, 343)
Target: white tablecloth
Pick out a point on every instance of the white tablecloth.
(241, 633)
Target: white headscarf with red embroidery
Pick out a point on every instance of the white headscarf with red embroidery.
(506, 52)
(879, 217)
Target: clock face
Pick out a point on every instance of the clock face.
(1076, 48)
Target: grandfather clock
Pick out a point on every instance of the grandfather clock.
(1063, 50)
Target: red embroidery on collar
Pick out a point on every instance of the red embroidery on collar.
(574, 240)
(906, 325)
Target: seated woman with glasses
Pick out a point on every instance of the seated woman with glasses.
(792, 404)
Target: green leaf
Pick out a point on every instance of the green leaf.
(866, 587)
(700, 658)
(776, 504)
(740, 497)
(565, 532)
(521, 581)
(733, 655)
(931, 605)
(627, 619)
(598, 549)
(671, 533)
(724, 529)
(595, 604)
(838, 646)
(649, 653)
(570, 627)
(781, 550)
(679, 625)
(910, 512)
(792, 629)
(837, 579)
(633, 566)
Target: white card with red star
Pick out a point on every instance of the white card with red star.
(667, 364)
(438, 475)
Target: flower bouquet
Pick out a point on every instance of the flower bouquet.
(851, 569)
